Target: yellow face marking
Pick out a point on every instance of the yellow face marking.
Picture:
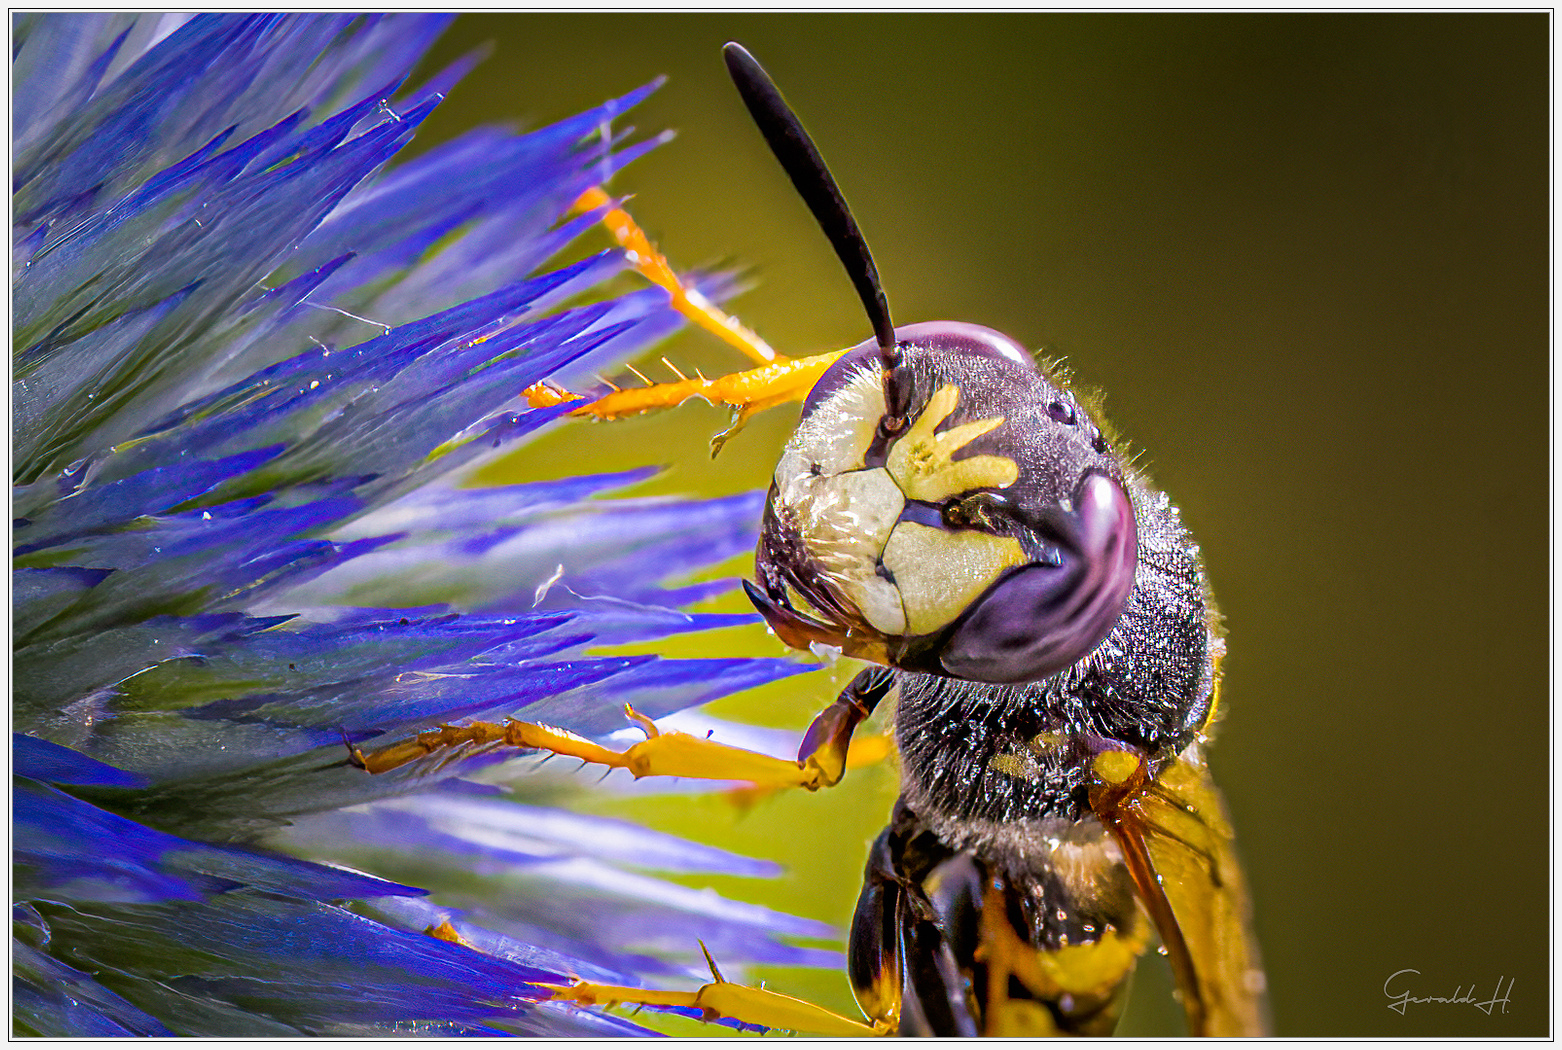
(846, 513)
(940, 573)
(922, 462)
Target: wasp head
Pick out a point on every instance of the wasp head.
(962, 516)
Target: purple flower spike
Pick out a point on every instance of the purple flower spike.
(253, 369)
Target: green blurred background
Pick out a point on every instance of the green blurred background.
(1307, 258)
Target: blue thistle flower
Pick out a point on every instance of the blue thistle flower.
(252, 366)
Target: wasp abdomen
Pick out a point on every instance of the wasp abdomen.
(952, 942)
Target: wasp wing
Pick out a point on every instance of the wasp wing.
(1182, 819)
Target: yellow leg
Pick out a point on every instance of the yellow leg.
(724, 999)
(776, 380)
(749, 391)
(719, 999)
(659, 754)
(643, 256)
(746, 393)
(752, 390)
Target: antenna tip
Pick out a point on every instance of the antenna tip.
(737, 57)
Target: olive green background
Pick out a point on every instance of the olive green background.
(1307, 258)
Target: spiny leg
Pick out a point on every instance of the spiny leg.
(827, 750)
(724, 999)
(719, 999)
(746, 393)
(749, 391)
(778, 379)
(644, 257)
(825, 753)
(659, 754)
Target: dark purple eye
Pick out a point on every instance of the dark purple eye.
(1042, 618)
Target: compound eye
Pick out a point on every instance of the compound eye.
(1041, 618)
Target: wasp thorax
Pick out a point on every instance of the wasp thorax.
(985, 537)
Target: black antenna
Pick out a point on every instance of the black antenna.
(800, 158)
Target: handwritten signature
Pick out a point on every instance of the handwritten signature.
(1400, 1000)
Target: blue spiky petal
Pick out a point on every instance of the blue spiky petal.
(253, 361)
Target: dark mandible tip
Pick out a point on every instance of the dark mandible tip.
(800, 158)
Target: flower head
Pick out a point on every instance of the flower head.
(253, 363)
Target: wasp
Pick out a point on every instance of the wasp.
(1039, 619)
